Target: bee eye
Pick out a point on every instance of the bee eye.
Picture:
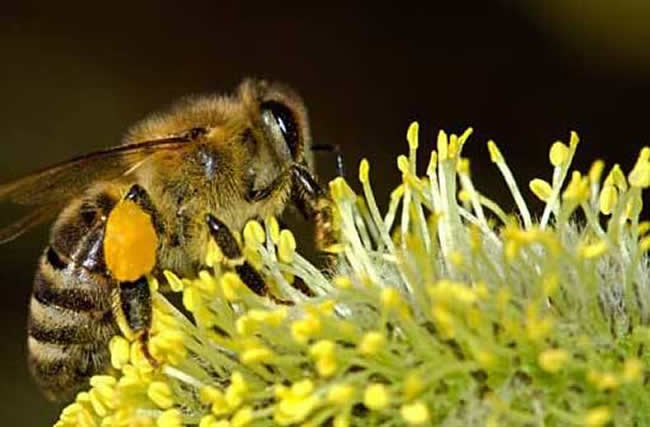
(280, 118)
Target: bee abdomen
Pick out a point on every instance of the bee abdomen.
(69, 327)
(70, 318)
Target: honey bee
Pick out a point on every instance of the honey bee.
(193, 173)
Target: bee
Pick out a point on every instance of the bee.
(196, 172)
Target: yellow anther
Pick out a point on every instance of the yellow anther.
(170, 418)
(390, 298)
(574, 139)
(464, 196)
(242, 417)
(640, 174)
(594, 250)
(403, 164)
(371, 343)
(340, 394)
(342, 420)
(364, 170)
(376, 397)
(274, 228)
(173, 280)
(541, 189)
(486, 359)
(454, 146)
(644, 227)
(558, 154)
(286, 247)
(342, 282)
(495, 153)
(444, 321)
(433, 163)
(259, 354)
(413, 385)
(412, 135)
(553, 360)
(209, 394)
(119, 349)
(596, 171)
(632, 370)
(230, 284)
(302, 388)
(214, 256)
(442, 146)
(211, 421)
(302, 330)
(616, 177)
(463, 166)
(597, 417)
(397, 193)
(607, 381)
(322, 348)
(644, 244)
(608, 199)
(578, 188)
(191, 299)
(161, 394)
(254, 234)
(415, 413)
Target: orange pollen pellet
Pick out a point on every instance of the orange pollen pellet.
(130, 242)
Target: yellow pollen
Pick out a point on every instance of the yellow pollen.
(403, 164)
(242, 417)
(495, 153)
(596, 171)
(541, 189)
(608, 199)
(433, 162)
(553, 360)
(170, 418)
(119, 349)
(160, 393)
(632, 370)
(286, 247)
(597, 417)
(558, 154)
(174, 282)
(442, 146)
(376, 397)
(364, 169)
(254, 234)
(594, 250)
(412, 135)
(415, 413)
(371, 343)
(340, 394)
(130, 242)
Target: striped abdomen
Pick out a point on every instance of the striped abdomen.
(70, 317)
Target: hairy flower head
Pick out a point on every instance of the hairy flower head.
(442, 310)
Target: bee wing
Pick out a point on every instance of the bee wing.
(48, 190)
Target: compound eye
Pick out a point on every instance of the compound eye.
(281, 120)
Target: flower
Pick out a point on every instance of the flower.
(443, 310)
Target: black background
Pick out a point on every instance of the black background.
(74, 77)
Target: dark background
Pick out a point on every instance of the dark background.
(73, 78)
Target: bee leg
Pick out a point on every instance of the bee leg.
(140, 197)
(314, 203)
(132, 309)
(230, 248)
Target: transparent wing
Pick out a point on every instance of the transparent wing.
(48, 190)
